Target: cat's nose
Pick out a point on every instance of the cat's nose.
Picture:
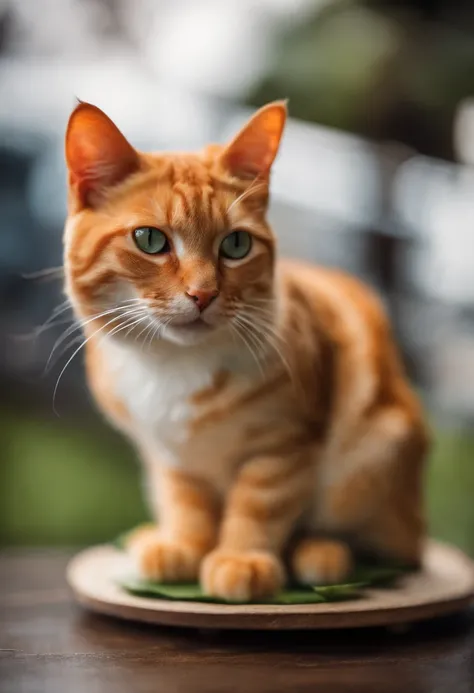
(202, 298)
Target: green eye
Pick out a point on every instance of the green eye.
(236, 245)
(151, 240)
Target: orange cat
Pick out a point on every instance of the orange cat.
(266, 397)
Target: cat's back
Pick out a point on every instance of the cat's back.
(342, 308)
(337, 296)
(348, 315)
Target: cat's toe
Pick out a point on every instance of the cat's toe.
(317, 562)
(241, 576)
(163, 560)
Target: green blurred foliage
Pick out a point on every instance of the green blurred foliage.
(450, 488)
(63, 486)
(381, 69)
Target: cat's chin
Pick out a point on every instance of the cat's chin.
(190, 333)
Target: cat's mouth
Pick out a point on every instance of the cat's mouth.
(197, 325)
(190, 332)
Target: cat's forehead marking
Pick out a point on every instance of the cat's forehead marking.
(193, 211)
(191, 170)
(191, 208)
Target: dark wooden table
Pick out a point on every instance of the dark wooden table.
(48, 644)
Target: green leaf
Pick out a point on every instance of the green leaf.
(338, 593)
(192, 592)
(181, 592)
(297, 596)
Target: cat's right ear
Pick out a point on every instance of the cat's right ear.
(98, 156)
(252, 152)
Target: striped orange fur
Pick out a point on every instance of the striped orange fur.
(266, 397)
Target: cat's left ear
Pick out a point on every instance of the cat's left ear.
(252, 152)
(98, 156)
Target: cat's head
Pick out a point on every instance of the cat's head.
(172, 244)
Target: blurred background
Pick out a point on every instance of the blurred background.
(376, 175)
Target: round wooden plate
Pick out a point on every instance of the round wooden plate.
(445, 585)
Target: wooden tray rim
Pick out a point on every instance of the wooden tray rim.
(367, 611)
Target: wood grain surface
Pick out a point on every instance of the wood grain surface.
(49, 644)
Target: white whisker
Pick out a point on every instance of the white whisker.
(143, 317)
(62, 308)
(49, 273)
(129, 322)
(148, 331)
(256, 185)
(38, 331)
(249, 339)
(270, 312)
(267, 332)
(48, 324)
(82, 324)
(257, 339)
(147, 327)
(236, 330)
(72, 357)
(264, 323)
(74, 340)
(160, 326)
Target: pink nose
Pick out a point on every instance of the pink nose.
(202, 298)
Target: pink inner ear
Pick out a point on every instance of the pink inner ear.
(97, 154)
(254, 149)
(251, 159)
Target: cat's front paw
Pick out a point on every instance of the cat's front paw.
(165, 560)
(241, 576)
(321, 561)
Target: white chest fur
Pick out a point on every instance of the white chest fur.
(157, 389)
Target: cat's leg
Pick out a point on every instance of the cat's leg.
(268, 497)
(319, 561)
(374, 491)
(187, 512)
